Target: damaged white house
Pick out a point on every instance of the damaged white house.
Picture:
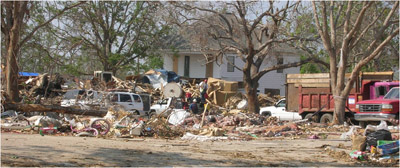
(193, 64)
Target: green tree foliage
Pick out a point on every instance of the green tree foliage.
(117, 33)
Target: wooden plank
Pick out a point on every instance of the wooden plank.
(308, 85)
(52, 108)
(378, 73)
(312, 76)
(308, 81)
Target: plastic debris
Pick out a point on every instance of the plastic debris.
(360, 155)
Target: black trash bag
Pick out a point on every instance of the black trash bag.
(372, 138)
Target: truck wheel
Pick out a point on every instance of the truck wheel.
(309, 115)
(151, 114)
(136, 112)
(326, 118)
(266, 113)
(362, 124)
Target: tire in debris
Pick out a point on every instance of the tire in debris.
(101, 125)
(136, 112)
(362, 124)
(314, 118)
(326, 118)
(266, 113)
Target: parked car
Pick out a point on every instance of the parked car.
(278, 110)
(378, 109)
(132, 102)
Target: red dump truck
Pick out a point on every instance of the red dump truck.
(310, 93)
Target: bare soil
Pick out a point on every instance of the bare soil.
(20, 150)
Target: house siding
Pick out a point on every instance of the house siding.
(271, 80)
(196, 66)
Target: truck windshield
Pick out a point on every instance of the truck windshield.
(392, 94)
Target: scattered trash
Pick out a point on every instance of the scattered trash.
(212, 132)
(177, 117)
(242, 105)
(372, 138)
(373, 149)
(358, 142)
(45, 121)
(190, 136)
(9, 113)
(373, 128)
(347, 135)
(47, 130)
(85, 134)
(389, 148)
(360, 155)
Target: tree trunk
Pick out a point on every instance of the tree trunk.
(13, 51)
(12, 75)
(49, 108)
(252, 99)
(339, 113)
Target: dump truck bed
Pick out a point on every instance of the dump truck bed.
(312, 92)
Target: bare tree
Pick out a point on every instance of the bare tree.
(252, 30)
(343, 26)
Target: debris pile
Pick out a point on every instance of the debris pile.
(224, 114)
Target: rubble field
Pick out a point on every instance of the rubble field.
(93, 129)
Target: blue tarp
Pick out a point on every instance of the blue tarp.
(163, 77)
(171, 75)
(28, 74)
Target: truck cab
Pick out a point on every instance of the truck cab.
(279, 110)
(379, 89)
(378, 109)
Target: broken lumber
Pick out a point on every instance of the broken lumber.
(51, 108)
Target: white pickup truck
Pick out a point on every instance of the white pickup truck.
(132, 102)
(163, 104)
(278, 110)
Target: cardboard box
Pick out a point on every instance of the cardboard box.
(230, 86)
(220, 97)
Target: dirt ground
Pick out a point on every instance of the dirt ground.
(20, 150)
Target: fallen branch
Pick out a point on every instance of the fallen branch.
(27, 108)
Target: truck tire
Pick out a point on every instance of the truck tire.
(326, 118)
(151, 114)
(309, 115)
(362, 124)
(266, 113)
(136, 112)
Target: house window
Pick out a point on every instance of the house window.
(186, 68)
(231, 62)
(280, 62)
(272, 92)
